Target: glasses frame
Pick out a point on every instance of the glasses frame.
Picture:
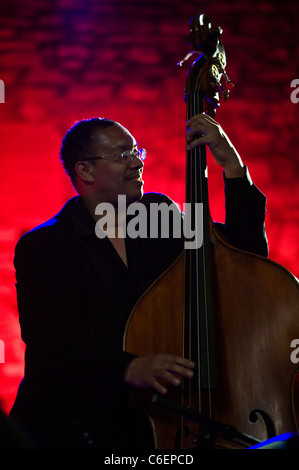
(126, 157)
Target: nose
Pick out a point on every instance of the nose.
(136, 163)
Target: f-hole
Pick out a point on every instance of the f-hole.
(253, 417)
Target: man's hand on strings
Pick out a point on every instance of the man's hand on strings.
(145, 371)
(203, 130)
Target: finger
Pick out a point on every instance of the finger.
(177, 365)
(171, 358)
(165, 376)
(155, 384)
(197, 142)
(180, 370)
(197, 132)
(169, 377)
(200, 124)
(200, 118)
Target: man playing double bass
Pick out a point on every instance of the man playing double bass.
(76, 290)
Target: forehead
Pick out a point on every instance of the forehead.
(115, 137)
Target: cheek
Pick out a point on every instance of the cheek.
(116, 184)
(109, 179)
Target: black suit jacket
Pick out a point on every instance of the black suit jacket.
(74, 297)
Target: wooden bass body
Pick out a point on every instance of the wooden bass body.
(256, 304)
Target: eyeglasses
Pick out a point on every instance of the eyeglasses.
(125, 157)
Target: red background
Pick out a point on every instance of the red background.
(65, 60)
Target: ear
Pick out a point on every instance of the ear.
(85, 171)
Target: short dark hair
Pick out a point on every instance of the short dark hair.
(78, 143)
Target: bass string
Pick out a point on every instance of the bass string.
(197, 196)
(197, 258)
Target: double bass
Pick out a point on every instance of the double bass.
(234, 313)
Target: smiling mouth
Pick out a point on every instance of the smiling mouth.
(135, 177)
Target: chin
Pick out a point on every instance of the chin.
(134, 196)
